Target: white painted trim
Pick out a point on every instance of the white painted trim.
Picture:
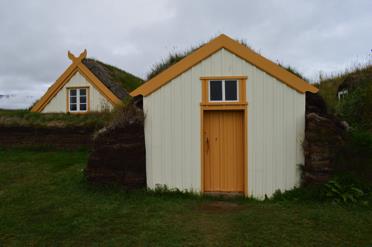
(341, 94)
(78, 99)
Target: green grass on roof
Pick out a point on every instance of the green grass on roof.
(25, 118)
(171, 59)
(329, 86)
(175, 57)
(127, 80)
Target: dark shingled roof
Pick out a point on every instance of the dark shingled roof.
(118, 81)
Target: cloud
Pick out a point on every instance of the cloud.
(312, 36)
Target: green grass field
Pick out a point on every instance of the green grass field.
(44, 200)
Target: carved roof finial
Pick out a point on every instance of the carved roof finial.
(74, 59)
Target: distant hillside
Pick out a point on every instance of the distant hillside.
(6, 96)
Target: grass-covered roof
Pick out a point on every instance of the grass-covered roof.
(118, 81)
(25, 118)
(175, 57)
(350, 78)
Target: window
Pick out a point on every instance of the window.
(78, 99)
(342, 94)
(223, 90)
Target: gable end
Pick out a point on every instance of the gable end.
(224, 42)
(76, 66)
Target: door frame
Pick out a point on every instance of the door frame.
(240, 105)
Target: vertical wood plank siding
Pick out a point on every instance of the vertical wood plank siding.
(97, 101)
(276, 123)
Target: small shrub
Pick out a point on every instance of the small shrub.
(342, 189)
(345, 190)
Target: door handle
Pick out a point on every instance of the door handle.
(207, 145)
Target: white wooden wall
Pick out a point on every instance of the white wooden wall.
(276, 124)
(98, 102)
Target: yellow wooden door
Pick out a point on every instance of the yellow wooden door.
(223, 144)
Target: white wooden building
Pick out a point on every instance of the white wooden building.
(224, 119)
(87, 85)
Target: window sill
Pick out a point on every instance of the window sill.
(224, 103)
(78, 112)
(224, 106)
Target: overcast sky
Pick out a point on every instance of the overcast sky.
(311, 36)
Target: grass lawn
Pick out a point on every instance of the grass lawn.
(45, 200)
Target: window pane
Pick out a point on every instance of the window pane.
(83, 107)
(83, 91)
(83, 99)
(73, 107)
(215, 90)
(73, 100)
(231, 90)
(72, 92)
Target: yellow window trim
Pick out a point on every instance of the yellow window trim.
(223, 78)
(224, 42)
(241, 90)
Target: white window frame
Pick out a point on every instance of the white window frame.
(78, 99)
(342, 94)
(223, 91)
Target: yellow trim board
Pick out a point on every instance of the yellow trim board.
(224, 77)
(224, 42)
(76, 66)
